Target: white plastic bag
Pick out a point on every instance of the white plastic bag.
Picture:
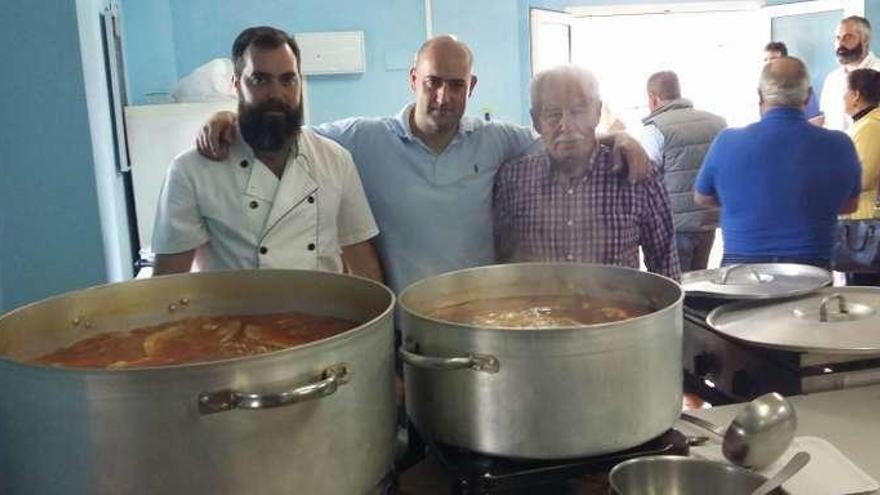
(209, 82)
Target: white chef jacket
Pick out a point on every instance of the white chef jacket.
(833, 89)
(237, 214)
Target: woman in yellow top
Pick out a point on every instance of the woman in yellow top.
(861, 101)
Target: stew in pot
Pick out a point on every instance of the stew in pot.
(539, 311)
(197, 339)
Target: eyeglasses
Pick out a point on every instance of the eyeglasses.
(553, 116)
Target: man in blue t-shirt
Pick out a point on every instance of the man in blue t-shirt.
(780, 182)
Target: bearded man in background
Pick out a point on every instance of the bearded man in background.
(852, 44)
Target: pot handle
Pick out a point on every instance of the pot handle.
(823, 306)
(227, 400)
(725, 271)
(476, 362)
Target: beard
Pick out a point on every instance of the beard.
(269, 125)
(850, 55)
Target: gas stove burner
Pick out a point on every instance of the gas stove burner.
(475, 473)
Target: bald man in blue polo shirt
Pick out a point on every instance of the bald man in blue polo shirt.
(428, 171)
(780, 182)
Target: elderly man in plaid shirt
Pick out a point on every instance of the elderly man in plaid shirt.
(563, 202)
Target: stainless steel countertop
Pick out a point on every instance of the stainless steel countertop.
(849, 419)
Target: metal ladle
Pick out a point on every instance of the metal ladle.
(759, 434)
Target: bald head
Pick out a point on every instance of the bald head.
(442, 81)
(444, 45)
(784, 83)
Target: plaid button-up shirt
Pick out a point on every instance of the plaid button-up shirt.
(597, 218)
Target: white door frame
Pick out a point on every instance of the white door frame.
(538, 17)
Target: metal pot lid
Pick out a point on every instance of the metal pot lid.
(755, 281)
(837, 320)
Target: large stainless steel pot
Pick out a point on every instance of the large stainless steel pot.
(551, 393)
(318, 418)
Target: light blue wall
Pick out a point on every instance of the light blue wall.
(491, 29)
(872, 12)
(393, 32)
(204, 29)
(151, 37)
(51, 235)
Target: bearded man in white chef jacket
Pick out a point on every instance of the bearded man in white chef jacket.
(284, 198)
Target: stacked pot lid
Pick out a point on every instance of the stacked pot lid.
(787, 306)
(840, 320)
(755, 281)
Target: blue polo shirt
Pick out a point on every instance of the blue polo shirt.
(434, 211)
(781, 182)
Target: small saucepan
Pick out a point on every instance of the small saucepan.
(667, 474)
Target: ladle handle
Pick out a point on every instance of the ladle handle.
(702, 423)
(791, 468)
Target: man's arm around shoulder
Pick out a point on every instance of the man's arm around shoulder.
(706, 200)
(166, 264)
(361, 259)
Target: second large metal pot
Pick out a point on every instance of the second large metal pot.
(545, 393)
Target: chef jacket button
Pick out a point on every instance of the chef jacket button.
(311, 199)
(254, 205)
(311, 246)
(243, 164)
(264, 250)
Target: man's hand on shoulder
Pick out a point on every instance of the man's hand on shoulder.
(217, 136)
(628, 156)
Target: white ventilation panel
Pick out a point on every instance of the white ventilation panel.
(338, 52)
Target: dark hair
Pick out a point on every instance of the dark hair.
(867, 83)
(263, 37)
(664, 85)
(777, 46)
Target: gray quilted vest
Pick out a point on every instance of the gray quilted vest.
(687, 134)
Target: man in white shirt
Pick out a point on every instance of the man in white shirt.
(285, 197)
(852, 41)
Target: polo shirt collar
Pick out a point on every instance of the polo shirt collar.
(785, 113)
